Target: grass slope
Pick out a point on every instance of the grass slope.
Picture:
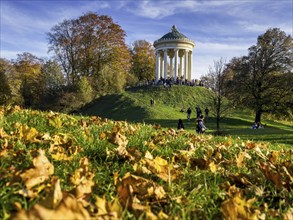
(133, 105)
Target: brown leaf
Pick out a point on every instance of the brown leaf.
(289, 214)
(250, 145)
(108, 210)
(133, 189)
(240, 159)
(83, 179)
(273, 156)
(69, 208)
(54, 120)
(41, 171)
(201, 163)
(237, 207)
(117, 138)
(271, 175)
(28, 134)
(158, 166)
(55, 195)
(3, 134)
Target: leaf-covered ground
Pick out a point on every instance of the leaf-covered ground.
(57, 166)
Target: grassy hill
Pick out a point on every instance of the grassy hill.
(133, 105)
(55, 165)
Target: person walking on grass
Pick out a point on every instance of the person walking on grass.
(188, 113)
(200, 127)
(207, 112)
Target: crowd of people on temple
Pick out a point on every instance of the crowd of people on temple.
(177, 81)
(171, 81)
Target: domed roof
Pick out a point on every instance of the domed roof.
(174, 34)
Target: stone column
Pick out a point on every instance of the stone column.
(157, 65)
(171, 56)
(189, 65)
(171, 67)
(165, 64)
(161, 64)
(176, 63)
(181, 53)
(185, 64)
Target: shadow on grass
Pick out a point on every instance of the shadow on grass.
(119, 107)
(234, 127)
(116, 107)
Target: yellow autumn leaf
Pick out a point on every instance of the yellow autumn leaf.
(55, 120)
(240, 159)
(288, 214)
(148, 155)
(274, 156)
(271, 174)
(3, 134)
(82, 179)
(55, 195)
(106, 209)
(28, 134)
(117, 138)
(41, 171)
(103, 136)
(158, 166)
(239, 208)
(133, 190)
(213, 167)
(69, 208)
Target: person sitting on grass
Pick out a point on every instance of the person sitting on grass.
(257, 125)
(180, 125)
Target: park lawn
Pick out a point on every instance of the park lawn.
(133, 105)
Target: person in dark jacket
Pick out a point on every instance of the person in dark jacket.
(188, 113)
(200, 128)
(180, 124)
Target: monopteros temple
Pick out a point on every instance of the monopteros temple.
(174, 56)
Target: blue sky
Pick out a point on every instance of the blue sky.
(220, 28)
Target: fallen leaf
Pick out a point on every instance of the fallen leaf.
(41, 171)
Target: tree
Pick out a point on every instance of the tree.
(5, 92)
(262, 80)
(85, 90)
(84, 46)
(143, 60)
(52, 77)
(215, 80)
(28, 69)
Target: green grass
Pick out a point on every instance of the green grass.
(133, 105)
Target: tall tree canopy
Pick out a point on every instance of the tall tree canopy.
(5, 91)
(143, 60)
(28, 68)
(263, 79)
(87, 45)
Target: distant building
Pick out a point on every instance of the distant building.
(174, 49)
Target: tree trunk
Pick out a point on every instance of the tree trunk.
(218, 117)
(258, 116)
(218, 125)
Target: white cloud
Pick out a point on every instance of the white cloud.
(161, 9)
